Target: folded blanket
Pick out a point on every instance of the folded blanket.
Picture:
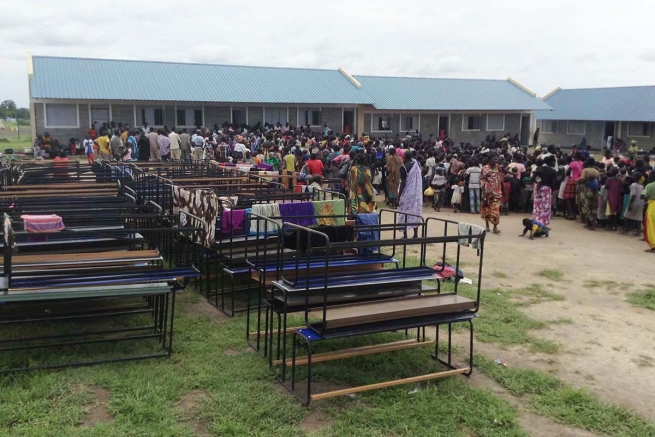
(301, 213)
(330, 208)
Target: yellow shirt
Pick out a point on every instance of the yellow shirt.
(290, 162)
(124, 137)
(103, 143)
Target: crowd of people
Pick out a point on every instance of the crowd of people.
(492, 178)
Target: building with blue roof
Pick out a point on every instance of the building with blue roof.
(596, 114)
(67, 95)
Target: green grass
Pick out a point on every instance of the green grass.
(550, 397)
(643, 298)
(499, 275)
(553, 275)
(241, 397)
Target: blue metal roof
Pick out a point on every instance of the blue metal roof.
(103, 79)
(602, 104)
(431, 94)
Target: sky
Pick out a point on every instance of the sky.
(542, 44)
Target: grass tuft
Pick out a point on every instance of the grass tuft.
(643, 298)
(500, 275)
(550, 397)
(553, 275)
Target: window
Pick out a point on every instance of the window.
(181, 117)
(279, 115)
(154, 116)
(575, 127)
(239, 116)
(312, 117)
(381, 122)
(408, 123)
(471, 122)
(159, 117)
(495, 122)
(197, 117)
(549, 126)
(638, 129)
(61, 115)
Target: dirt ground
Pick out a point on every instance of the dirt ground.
(609, 348)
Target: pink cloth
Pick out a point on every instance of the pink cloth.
(232, 220)
(42, 223)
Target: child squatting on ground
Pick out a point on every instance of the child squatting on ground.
(536, 229)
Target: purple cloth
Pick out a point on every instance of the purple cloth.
(265, 167)
(232, 220)
(304, 209)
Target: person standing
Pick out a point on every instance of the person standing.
(588, 187)
(185, 145)
(473, 173)
(155, 155)
(361, 194)
(197, 144)
(649, 220)
(164, 145)
(410, 194)
(117, 146)
(88, 149)
(394, 162)
(103, 145)
(144, 147)
(174, 140)
(490, 193)
(315, 165)
(545, 178)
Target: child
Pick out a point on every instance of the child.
(528, 185)
(634, 215)
(439, 183)
(613, 186)
(504, 199)
(456, 199)
(601, 213)
(88, 149)
(377, 179)
(536, 229)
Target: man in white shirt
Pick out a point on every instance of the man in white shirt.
(430, 163)
(197, 143)
(240, 149)
(174, 138)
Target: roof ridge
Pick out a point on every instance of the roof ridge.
(181, 63)
(608, 88)
(428, 78)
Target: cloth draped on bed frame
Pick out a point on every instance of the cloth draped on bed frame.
(200, 203)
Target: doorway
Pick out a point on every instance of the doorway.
(443, 127)
(348, 122)
(608, 134)
(525, 129)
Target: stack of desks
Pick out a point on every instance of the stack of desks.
(101, 280)
(370, 291)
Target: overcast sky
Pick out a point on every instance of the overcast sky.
(542, 44)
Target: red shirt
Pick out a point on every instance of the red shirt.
(315, 166)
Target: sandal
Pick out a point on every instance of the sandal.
(497, 231)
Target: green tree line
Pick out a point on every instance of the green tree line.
(8, 108)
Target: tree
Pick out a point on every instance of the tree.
(8, 105)
(23, 113)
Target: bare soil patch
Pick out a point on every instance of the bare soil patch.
(99, 413)
(189, 407)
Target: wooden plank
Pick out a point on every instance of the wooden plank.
(392, 309)
(91, 256)
(357, 352)
(428, 377)
(65, 186)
